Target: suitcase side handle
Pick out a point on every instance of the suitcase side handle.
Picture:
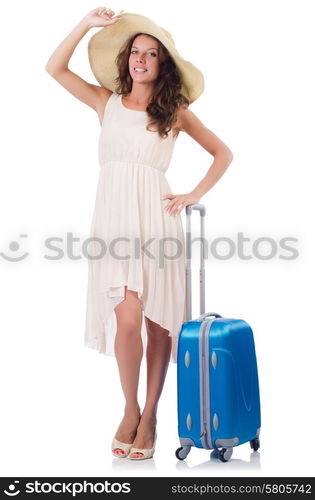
(202, 210)
(205, 315)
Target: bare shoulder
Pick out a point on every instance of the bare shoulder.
(103, 96)
(182, 117)
(186, 118)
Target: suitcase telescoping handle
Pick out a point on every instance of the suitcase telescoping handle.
(202, 210)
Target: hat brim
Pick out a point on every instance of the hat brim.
(103, 48)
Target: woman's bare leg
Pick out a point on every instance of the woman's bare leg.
(128, 352)
(158, 355)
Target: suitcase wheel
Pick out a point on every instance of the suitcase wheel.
(214, 453)
(255, 444)
(225, 454)
(182, 452)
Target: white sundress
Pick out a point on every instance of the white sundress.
(148, 244)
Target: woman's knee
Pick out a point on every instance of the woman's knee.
(129, 316)
(129, 327)
(154, 330)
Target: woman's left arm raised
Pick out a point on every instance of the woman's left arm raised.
(223, 156)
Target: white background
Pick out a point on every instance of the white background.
(62, 402)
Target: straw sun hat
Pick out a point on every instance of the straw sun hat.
(103, 48)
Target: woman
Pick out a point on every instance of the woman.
(142, 104)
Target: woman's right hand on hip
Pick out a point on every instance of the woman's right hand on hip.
(101, 17)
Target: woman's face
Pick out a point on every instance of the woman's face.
(144, 60)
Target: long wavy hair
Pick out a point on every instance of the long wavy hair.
(166, 99)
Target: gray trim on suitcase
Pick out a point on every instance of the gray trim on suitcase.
(186, 442)
(204, 383)
(227, 443)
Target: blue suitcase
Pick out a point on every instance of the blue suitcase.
(218, 402)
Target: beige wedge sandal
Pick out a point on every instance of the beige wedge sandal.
(146, 452)
(125, 447)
